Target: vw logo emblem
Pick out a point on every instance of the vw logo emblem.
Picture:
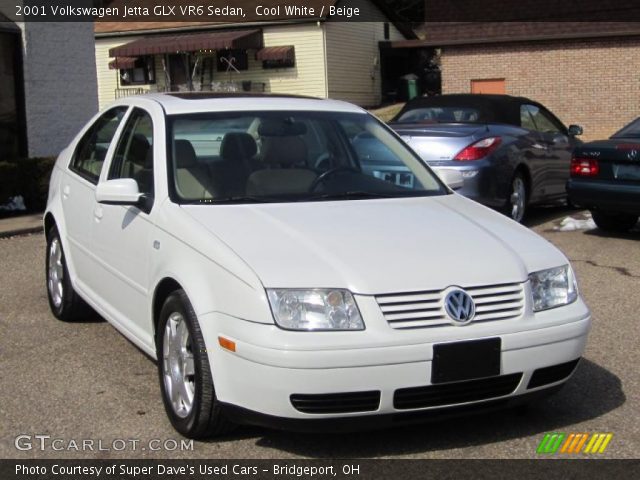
(459, 306)
(632, 155)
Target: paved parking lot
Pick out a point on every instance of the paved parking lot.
(86, 381)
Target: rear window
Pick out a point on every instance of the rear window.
(629, 131)
(441, 115)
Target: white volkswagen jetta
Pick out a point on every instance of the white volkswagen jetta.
(289, 260)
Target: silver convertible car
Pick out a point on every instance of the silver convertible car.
(512, 152)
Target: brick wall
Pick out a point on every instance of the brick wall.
(59, 82)
(594, 83)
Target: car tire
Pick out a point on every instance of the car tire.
(517, 201)
(184, 372)
(65, 303)
(614, 222)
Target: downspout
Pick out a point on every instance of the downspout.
(324, 58)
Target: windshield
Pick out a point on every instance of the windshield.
(441, 114)
(629, 131)
(290, 156)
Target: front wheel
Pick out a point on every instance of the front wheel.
(516, 206)
(610, 222)
(186, 382)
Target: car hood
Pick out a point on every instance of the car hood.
(378, 246)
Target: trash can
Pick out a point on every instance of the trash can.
(412, 89)
(408, 87)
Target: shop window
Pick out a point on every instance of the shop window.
(142, 73)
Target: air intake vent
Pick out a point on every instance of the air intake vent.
(426, 309)
(555, 373)
(457, 392)
(337, 402)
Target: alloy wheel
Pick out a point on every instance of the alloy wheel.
(518, 199)
(178, 365)
(55, 280)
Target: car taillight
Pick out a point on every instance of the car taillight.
(479, 149)
(584, 167)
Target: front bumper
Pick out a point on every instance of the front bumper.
(614, 197)
(270, 365)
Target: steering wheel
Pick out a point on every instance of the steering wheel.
(330, 173)
(323, 158)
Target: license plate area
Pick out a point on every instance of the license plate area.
(458, 361)
(626, 172)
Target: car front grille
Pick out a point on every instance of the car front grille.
(456, 392)
(348, 402)
(426, 309)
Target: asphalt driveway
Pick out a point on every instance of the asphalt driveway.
(86, 381)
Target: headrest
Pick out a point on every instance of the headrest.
(139, 149)
(185, 155)
(238, 145)
(281, 127)
(285, 151)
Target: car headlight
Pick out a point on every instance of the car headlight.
(553, 287)
(317, 309)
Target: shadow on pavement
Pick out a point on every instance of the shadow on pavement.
(543, 214)
(592, 392)
(631, 235)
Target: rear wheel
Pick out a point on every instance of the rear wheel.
(611, 222)
(186, 382)
(65, 303)
(516, 206)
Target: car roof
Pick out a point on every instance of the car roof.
(202, 102)
(472, 97)
(494, 108)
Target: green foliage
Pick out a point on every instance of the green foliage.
(28, 177)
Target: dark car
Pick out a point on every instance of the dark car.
(605, 178)
(512, 152)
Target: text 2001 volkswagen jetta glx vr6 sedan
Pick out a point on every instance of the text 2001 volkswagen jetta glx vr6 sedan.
(281, 276)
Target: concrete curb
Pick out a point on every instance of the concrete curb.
(21, 225)
(20, 231)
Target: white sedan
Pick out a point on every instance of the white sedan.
(285, 278)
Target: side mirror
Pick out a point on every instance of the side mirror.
(574, 130)
(453, 178)
(120, 191)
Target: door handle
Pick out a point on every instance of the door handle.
(98, 212)
(66, 190)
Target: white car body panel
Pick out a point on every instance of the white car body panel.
(224, 256)
(311, 241)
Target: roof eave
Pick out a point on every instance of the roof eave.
(509, 39)
(199, 28)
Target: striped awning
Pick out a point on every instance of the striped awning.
(286, 52)
(123, 62)
(182, 43)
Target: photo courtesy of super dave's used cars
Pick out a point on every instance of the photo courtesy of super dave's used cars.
(280, 278)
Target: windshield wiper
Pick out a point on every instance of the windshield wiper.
(352, 195)
(232, 199)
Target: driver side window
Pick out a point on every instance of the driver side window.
(91, 151)
(543, 120)
(134, 155)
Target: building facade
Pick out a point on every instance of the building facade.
(583, 72)
(48, 85)
(324, 58)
